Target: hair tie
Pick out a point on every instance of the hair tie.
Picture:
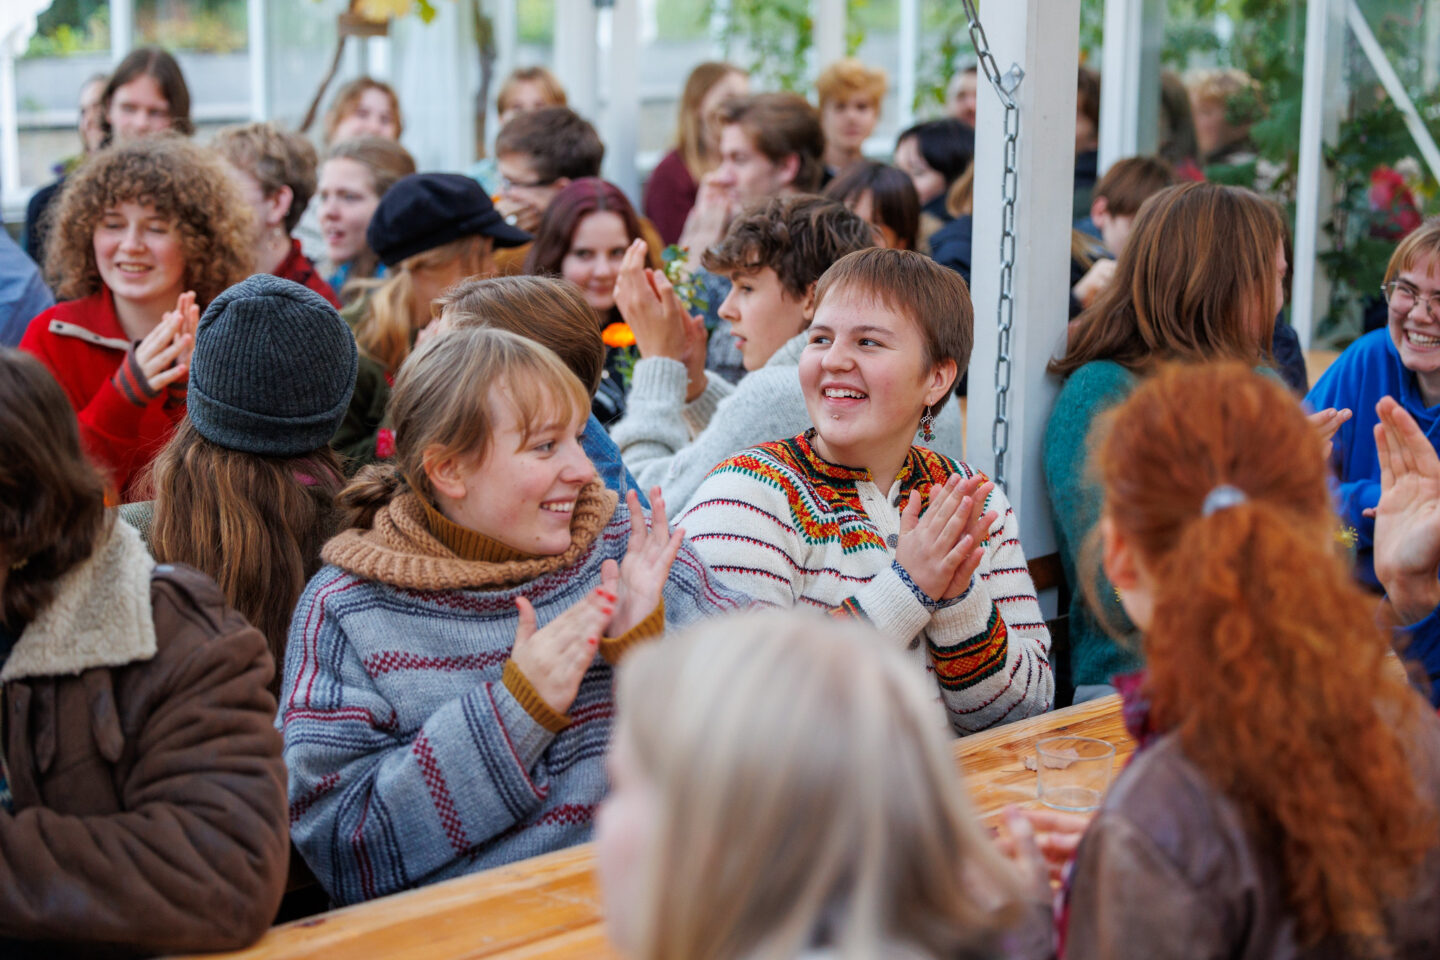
(1221, 497)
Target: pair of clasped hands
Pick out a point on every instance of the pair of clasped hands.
(555, 658)
(164, 353)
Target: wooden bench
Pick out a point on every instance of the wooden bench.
(549, 907)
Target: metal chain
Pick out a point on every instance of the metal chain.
(1005, 87)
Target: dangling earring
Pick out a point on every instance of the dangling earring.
(925, 424)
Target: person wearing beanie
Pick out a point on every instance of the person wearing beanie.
(244, 490)
(431, 230)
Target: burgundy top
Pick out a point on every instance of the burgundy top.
(296, 266)
(669, 195)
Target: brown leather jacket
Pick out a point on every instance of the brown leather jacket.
(1167, 871)
(149, 791)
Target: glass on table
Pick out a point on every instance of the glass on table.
(1072, 773)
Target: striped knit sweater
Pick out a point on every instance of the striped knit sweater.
(787, 527)
(412, 757)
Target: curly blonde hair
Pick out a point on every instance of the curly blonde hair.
(181, 181)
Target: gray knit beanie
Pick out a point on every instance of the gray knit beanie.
(273, 369)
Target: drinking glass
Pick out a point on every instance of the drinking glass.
(1072, 773)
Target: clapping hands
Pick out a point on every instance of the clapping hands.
(662, 327)
(942, 549)
(163, 356)
(638, 580)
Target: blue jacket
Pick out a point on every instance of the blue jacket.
(1422, 648)
(1368, 370)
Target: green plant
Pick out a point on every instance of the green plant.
(64, 39)
(777, 35)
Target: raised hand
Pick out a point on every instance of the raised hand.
(940, 548)
(640, 577)
(188, 315)
(1327, 423)
(158, 356)
(706, 223)
(555, 659)
(658, 332)
(1407, 518)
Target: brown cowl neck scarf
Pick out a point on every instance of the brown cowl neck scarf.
(401, 550)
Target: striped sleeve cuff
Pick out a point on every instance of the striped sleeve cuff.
(613, 648)
(525, 694)
(130, 380)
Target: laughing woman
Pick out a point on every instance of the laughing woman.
(447, 695)
(833, 518)
(146, 235)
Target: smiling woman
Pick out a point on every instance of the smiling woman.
(147, 233)
(426, 718)
(864, 524)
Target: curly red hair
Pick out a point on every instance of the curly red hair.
(1263, 655)
(183, 182)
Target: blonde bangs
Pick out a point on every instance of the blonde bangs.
(546, 395)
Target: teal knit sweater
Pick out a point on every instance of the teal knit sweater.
(1075, 504)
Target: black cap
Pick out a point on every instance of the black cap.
(428, 210)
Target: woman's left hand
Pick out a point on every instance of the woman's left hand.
(978, 521)
(637, 581)
(1327, 423)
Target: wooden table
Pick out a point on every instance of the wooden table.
(549, 907)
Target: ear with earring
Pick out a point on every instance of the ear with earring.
(927, 422)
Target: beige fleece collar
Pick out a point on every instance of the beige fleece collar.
(100, 615)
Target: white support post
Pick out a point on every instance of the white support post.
(1390, 80)
(1041, 36)
(1430, 46)
(1130, 79)
(257, 47)
(122, 29)
(829, 17)
(1314, 191)
(909, 58)
(576, 28)
(9, 124)
(619, 123)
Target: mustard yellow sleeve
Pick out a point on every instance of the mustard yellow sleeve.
(525, 694)
(613, 648)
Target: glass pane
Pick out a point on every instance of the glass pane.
(71, 44)
(205, 26)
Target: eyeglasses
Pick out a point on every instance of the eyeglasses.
(1401, 296)
(507, 184)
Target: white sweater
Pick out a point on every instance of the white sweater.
(666, 442)
(786, 527)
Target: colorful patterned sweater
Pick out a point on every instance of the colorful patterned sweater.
(787, 527)
(414, 754)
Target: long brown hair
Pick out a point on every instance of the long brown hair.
(161, 67)
(1196, 282)
(1263, 655)
(52, 499)
(254, 524)
(690, 135)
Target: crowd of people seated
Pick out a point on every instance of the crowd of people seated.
(364, 526)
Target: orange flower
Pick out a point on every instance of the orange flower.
(618, 335)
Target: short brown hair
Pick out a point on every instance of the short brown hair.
(797, 237)
(934, 298)
(158, 65)
(553, 91)
(1132, 181)
(183, 182)
(548, 310)
(849, 77)
(782, 124)
(1421, 243)
(349, 95)
(52, 499)
(557, 141)
(275, 158)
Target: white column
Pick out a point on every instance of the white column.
(909, 56)
(829, 18)
(505, 19)
(1314, 191)
(620, 119)
(257, 47)
(576, 29)
(1130, 79)
(122, 28)
(9, 126)
(1041, 36)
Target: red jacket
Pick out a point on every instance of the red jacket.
(298, 267)
(82, 344)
